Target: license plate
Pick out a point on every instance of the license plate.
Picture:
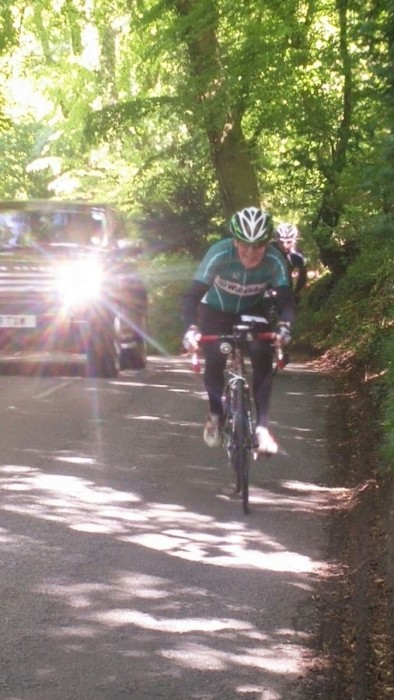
(18, 321)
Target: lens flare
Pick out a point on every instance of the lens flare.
(79, 282)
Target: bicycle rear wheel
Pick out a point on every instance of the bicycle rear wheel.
(242, 444)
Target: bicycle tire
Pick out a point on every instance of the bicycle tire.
(228, 420)
(242, 443)
(229, 435)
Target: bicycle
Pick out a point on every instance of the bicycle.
(238, 424)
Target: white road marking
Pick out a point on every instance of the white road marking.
(53, 389)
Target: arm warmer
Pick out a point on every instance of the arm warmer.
(285, 304)
(190, 302)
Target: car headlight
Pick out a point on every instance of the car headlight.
(79, 282)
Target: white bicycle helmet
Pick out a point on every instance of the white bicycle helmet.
(286, 232)
(251, 225)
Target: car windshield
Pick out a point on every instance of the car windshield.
(29, 228)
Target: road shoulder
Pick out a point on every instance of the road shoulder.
(356, 602)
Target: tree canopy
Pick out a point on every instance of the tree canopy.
(187, 110)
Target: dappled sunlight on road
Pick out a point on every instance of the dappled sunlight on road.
(180, 423)
(277, 658)
(221, 642)
(230, 553)
(135, 553)
(296, 496)
(184, 625)
(318, 493)
(85, 507)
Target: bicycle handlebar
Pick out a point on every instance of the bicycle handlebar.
(267, 336)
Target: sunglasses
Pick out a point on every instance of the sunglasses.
(255, 246)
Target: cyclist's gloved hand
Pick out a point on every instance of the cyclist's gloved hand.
(191, 338)
(283, 333)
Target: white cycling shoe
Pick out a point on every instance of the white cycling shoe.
(213, 430)
(265, 442)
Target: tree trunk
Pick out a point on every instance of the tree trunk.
(334, 255)
(234, 170)
(222, 120)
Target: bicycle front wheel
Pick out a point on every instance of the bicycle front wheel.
(242, 443)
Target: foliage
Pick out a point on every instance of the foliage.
(357, 306)
(167, 278)
(20, 145)
(354, 315)
(7, 28)
(168, 229)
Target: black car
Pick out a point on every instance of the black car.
(69, 283)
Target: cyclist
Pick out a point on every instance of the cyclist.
(286, 236)
(231, 280)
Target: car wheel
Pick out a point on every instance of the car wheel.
(138, 355)
(135, 357)
(104, 351)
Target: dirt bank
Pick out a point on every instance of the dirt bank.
(356, 602)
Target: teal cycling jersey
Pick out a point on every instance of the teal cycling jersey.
(232, 288)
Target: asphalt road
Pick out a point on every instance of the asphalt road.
(128, 570)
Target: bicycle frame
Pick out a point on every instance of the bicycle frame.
(238, 429)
